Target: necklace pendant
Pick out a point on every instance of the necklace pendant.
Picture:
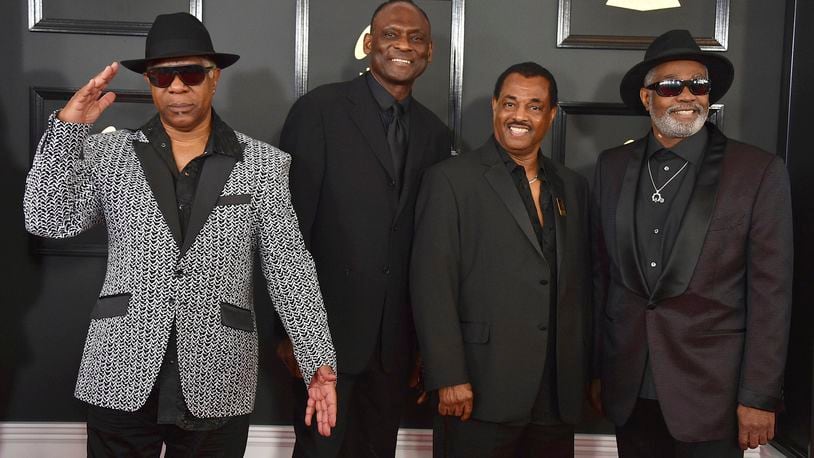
(656, 197)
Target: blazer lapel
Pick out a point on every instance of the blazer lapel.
(415, 149)
(693, 230)
(501, 182)
(216, 170)
(627, 250)
(364, 114)
(160, 180)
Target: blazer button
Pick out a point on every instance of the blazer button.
(542, 327)
(386, 270)
(543, 282)
(651, 307)
(395, 228)
(392, 183)
(178, 273)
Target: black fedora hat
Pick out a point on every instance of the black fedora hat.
(676, 45)
(178, 35)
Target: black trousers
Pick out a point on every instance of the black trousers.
(120, 434)
(645, 435)
(369, 411)
(453, 438)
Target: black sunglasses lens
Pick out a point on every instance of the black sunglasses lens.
(159, 79)
(191, 75)
(699, 87)
(669, 88)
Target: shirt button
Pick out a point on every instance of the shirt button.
(178, 273)
(392, 183)
(666, 168)
(653, 264)
(163, 145)
(656, 230)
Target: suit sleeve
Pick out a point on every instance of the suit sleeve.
(291, 276)
(599, 258)
(303, 138)
(434, 283)
(60, 199)
(769, 285)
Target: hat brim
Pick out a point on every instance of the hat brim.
(222, 60)
(721, 74)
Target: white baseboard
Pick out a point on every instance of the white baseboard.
(67, 440)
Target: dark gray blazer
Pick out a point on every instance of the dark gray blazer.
(716, 324)
(480, 292)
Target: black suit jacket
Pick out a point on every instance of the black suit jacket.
(716, 323)
(479, 284)
(354, 221)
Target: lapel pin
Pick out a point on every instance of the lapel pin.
(560, 206)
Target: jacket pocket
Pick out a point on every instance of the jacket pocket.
(111, 306)
(475, 332)
(234, 199)
(723, 332)
(236, 317)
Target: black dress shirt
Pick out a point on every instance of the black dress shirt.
(657, 224)
(385, 101)
(167, 392)
(545, 410)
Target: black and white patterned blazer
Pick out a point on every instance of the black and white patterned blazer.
(204, 285)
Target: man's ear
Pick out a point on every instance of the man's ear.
(368, 43)
(644, 95)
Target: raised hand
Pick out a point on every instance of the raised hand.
(88, 103)
(322, 400)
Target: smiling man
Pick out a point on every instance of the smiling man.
(693, 248)
(171, 352)
(359, 149)
(500, 284)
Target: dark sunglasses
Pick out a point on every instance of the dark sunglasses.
(191, 75)
(671, 88)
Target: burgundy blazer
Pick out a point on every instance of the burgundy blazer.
(716, 323)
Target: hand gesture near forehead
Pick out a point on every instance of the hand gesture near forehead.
(88, 103)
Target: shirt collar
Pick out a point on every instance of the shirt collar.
(222, 138)
(511, 165)
(383, 98)
(690, 149)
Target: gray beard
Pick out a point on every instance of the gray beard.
(670, 127)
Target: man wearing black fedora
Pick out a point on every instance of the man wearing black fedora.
(693, 255)
(171, 352)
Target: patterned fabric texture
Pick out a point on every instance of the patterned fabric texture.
(78, 181)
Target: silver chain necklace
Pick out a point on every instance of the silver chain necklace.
(656, 197)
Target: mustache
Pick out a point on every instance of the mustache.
(686, 106)
(519, 124)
